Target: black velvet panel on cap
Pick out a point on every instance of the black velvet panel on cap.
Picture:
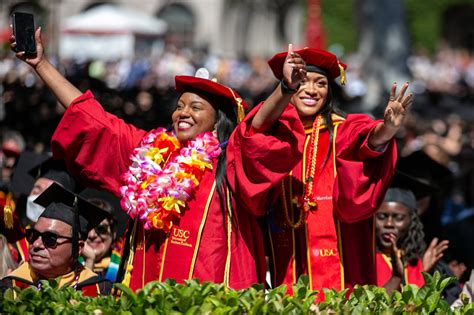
(402, 196)
(55, 170)
(61, 204)
(23, 180)
(419, 187)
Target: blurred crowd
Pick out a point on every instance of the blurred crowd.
(141, 92)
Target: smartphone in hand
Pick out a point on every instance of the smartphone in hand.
(24, 32)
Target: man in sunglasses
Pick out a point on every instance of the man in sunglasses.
(55, 242)
(33, 174)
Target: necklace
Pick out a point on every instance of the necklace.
(307, 202)
(164, 175)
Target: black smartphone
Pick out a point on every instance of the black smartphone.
(24, 32)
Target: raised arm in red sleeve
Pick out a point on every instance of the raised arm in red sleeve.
(258, 161)
(95, 144)
(363, 174)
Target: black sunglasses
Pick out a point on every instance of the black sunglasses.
(102, 229)
(49, 239)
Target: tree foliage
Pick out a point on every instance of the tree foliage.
(424, 22)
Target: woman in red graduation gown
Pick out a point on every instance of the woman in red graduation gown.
(188, 223)
(401, 257)
(319, 216)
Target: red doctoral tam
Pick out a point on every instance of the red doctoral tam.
(218, 93)
(315, 57)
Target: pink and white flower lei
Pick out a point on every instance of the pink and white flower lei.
(159, 182)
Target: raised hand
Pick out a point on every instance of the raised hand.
(397, 107)
(395, 257)
(294, 69)
(89, 255)
(32, 60)
(434, 253)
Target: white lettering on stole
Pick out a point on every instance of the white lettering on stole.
(319, 198)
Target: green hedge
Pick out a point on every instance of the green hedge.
(209, 298)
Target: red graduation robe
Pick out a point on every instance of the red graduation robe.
(97, 147)
(335, 246)
(19, 250)
(412, 273)
(10, 224)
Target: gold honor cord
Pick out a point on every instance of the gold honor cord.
(229, 239)
(129, 266)
(308, 201)
(341, 255)
(201, 227)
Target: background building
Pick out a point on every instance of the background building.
(224, 27)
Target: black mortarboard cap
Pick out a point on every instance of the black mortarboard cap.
(22, 180)
(419, 187)
(64, 205)
(407, 190)
(55, 170)
(421, 166)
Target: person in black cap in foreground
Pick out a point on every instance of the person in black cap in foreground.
(401, 255)
(55, 242)
(33, 175)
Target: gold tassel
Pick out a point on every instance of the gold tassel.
(8, 211)
(240, 107)
(343, 73)
(240, 110)
(129, 265)
(128, 275)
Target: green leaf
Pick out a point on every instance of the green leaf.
(446, 282)
(432, 301)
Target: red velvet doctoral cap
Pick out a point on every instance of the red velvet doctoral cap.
(218, 92)
(315, 57)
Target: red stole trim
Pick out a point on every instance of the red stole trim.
(20, 284)
(22, 246)
(412, 274)
(322, 243)
(183, 244)
(312, 249)
(91, 290)
(159, 256)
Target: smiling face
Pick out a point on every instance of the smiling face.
(391, 218)
(47, 262)
(192, 116)
(311, 97)
(100, 239)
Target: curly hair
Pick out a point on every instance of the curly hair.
(413, 244)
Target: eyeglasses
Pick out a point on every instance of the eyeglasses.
(49, 239)
(102, 229)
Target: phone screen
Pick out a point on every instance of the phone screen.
(24, 31)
